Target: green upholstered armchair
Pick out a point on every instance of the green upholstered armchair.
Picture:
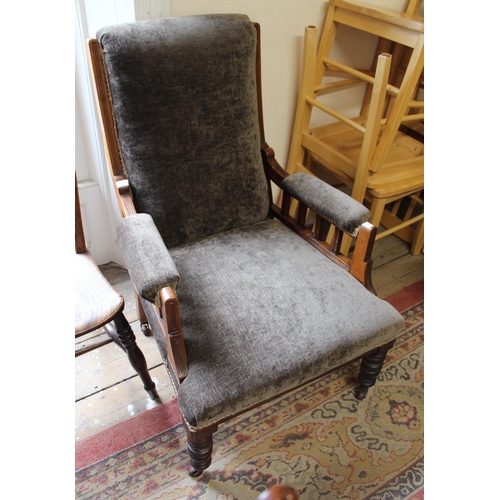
(245, 302)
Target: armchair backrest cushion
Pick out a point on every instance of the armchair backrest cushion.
(184, 98)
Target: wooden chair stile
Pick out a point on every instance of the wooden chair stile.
(168, 313)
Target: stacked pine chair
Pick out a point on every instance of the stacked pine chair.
(378, 155)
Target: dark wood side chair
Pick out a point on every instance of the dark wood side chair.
(99, 305)
(245, 301)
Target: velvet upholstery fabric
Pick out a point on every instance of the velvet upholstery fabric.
(190, 139)
(334, 205)
(145, 254)
(263, 311)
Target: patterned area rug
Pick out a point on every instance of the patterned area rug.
(319, 439)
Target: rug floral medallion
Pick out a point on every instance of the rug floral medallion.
(318, 439)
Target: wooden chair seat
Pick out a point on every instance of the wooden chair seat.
(349, 142)
(96, 301)
(402, 183)
(401, 173)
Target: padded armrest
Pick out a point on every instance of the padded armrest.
(336, 206)
(148, 261)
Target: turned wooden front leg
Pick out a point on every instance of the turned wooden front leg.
(371, 366)
(200, 445)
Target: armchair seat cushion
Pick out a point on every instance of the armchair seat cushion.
(263, 311)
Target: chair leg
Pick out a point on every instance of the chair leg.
(418, 240)
(123, 335)
(142, 317)
(371, 366)
(200, 445)
(377, 210)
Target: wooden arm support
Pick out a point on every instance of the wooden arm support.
(361, 262)
(170, 320)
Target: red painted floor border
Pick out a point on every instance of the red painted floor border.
(124, 434)
(407, 297)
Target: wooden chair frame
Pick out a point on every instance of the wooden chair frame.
(359, 265)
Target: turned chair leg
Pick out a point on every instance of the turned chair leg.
(124, 337)
(200, 445)
(371, 366)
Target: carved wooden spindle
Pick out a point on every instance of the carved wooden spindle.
(318, 227)
(336, 241)
(285, 204)
(301, 217)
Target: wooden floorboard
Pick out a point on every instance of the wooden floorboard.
(107, 389)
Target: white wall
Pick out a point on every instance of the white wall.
(97, 199)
